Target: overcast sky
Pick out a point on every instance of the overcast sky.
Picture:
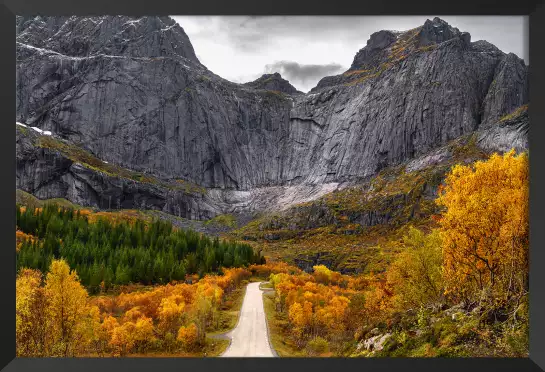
(305, 49)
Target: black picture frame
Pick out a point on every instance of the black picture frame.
(535, 9)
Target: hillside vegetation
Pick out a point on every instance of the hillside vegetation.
(107, 251)
(57, 317)
(359, 228)
(459, 290)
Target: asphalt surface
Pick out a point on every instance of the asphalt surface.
(250, 337)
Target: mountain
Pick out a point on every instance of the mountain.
(138, 122)
(273, 82)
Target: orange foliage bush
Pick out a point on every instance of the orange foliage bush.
(188, 336)
(264, 271)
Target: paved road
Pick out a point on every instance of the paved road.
(250, 337)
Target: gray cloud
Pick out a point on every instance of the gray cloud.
(254, 33)
(305, 76)
(238, 47)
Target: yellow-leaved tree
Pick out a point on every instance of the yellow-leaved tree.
(30, 314)
(170, 313)
(485, 229)
(66, 311)
(416, 275)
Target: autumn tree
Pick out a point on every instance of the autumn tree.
(326, 276)
(121, 341)
(170, 313)
(143, 333)
(207, 299)
(485, 228)
(415, 275)
(66, 309)
(300, 316)
(30, 314)
(378, 301)
(322, 274)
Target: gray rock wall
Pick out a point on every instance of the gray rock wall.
(132, 92)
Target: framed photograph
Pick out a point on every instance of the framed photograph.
(266, 186)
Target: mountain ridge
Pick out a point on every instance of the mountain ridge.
(157, 110)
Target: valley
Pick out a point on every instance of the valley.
(384, 212)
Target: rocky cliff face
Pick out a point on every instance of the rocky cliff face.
(132, 92)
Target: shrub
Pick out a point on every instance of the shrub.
(188, 336)
(317, 346)
(416, 273)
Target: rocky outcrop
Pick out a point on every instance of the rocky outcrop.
(132, 92)
(509, 133)
(50, 174)
(507, 91)
(437, 31)
(273, 82)
(375, 343)
(375, 51)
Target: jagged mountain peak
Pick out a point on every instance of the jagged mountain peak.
(386, 49)
(382, 43)
(274, 82)
(437, 31)
(75, 36)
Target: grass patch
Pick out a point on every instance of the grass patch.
(203, 78)
(515, 113)
(30, 201)
(227, 220)
(266, 285)
(466, 149)
(274, 94)
(188, 187)
(365, 77)
(212, 348)
(427, 48)
(61, 202)
(357, 72)
(23, 130)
